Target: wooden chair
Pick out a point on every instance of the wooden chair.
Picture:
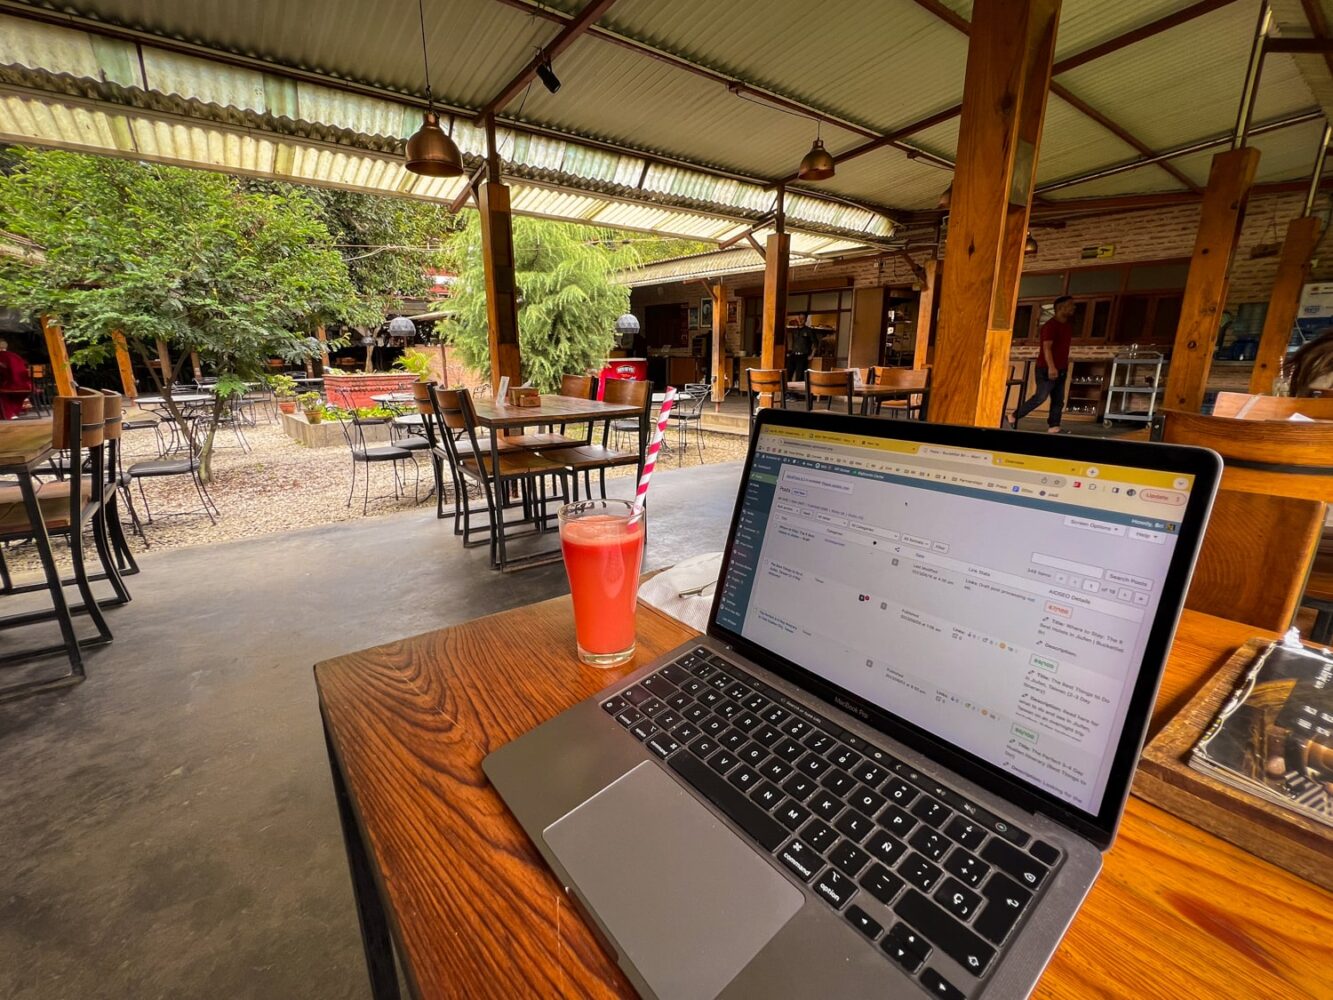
(1266, 524)
(1244, 406)
(472, 463)
(837, 384)
(590, 458)
(581, 386)
(903, 378)
(770, 382)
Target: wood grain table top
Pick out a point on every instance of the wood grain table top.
(475, 912)
(24, 443)
(553, 410)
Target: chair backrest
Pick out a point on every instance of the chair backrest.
(772, 381)
(838, 382)
(91, 422)
(625, 392)
(1269, 514)
(1245, 406)
(453, 412)
(900, 378)
(580, 386)
(421, 399)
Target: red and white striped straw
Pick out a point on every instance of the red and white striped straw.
(655, 445)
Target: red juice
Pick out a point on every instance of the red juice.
(602, 557)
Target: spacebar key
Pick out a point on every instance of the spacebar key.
(749, 817)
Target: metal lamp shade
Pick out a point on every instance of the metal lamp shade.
(817, 165)
(1029, 246)
(433, 153)
(628, 323)
(401, 326)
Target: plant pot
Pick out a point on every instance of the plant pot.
(313, 416)
(287, 405)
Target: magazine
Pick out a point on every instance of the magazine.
(1274, 736)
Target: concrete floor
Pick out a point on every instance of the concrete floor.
(167, 828)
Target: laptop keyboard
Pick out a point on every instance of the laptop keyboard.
(917, 868)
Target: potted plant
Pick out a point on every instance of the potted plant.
(284, 391)
(312, 406)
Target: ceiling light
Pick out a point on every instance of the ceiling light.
(546, 74)
(430, 151)
(1029, 246)
(817, 164)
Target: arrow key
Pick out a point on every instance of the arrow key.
(937, 986)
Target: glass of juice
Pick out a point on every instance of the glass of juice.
(603, 546)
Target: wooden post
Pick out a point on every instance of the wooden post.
(322, 335)
(198, 369)
(123, 363)
(1220, 219)
(925, 314)
(718, 361)
(1293, 270)
(497, 250)
(58, 352)
(777, 257)
(164, 360)
(1009, 59)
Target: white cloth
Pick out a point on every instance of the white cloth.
(685, 591)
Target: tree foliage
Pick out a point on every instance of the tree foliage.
(166, 254)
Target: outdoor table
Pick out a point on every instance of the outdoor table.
(444, 875)
(868, 391)
(180, 399)
(552, 409)
(394, 398)
(26, 445)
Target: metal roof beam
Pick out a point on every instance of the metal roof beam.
(573, 28)
(959, 23)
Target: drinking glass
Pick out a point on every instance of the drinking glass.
(603, 545)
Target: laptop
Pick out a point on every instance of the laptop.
(892, 765)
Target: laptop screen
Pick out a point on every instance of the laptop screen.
(999, 601)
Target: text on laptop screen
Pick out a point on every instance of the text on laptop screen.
(1001, 602)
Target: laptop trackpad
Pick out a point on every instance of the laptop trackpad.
(688, 901)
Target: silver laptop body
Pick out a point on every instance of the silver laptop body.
(956, 635)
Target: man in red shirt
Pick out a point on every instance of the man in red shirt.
(1052, 366)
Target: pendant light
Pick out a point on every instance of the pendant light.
(1029, 246)
(430, 151)
(818, 163)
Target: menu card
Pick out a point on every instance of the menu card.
(1274, 736)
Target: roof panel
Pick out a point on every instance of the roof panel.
(1285, 155)
(1072, 143)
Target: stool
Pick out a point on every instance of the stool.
(1019, 383)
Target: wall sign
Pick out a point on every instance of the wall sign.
(1103, 252)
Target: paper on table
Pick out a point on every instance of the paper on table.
(503, 391)
(1301, 418)
(696, 577)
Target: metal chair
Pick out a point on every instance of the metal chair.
(590, 458)
(688, 412)
(174, 465)
(369, 455)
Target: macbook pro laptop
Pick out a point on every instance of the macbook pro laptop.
(892, 765)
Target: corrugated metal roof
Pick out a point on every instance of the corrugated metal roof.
(1285, 155)
(712, 265)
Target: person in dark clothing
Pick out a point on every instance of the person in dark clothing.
(15, 383)
(800, 342)
(1052, 366)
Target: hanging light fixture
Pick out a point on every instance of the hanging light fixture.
(430, 151)
(818, 163)
(546, 74)
(1029, 246)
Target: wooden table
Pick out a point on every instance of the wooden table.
(440, 865)
(868, 391)
(25, 445)
(553, 409)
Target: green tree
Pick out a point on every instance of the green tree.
(164, 254)
(570, 301)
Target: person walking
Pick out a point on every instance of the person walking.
(1052, 366)
(800, 342)
(15, 383)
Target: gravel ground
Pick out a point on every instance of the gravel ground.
(281, 486)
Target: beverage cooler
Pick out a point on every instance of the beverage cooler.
(633, 369)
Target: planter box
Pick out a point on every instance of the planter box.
(354, 391)
(327, 434)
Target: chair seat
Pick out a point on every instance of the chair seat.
(591, 456)
(160, 467)
(381, 453)
(53, 499)
(412, 443)
(514, 463)
(536, 442)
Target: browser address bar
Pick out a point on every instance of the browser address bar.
(978, 471)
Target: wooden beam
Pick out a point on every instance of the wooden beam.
(1293, 270)
(1205, 297)
(497, 251)
(127, 384)
(1004, 102)
(777, 260)
(574, 27)
(925, 314)
(58, 352)
(718, 361)
(322, 335)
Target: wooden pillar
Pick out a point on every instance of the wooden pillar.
(322, 335)
(925, 314)
(1220, 219)
(1293, 270)
(777, 258)
(164, 360)
(1009, 56)
(718, 362)
(497, 250)
(58, 352)
(124, 365)
(198, 369)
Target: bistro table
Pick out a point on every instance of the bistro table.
(25, 445)
(443, 873)
(394, 398)
(551, 409)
